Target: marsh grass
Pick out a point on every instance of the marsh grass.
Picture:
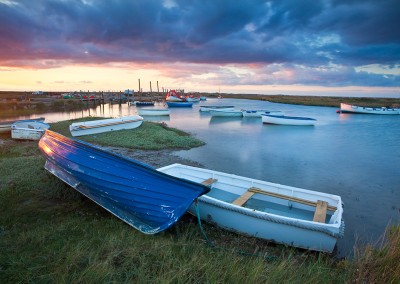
(49, 233)
(148, 136)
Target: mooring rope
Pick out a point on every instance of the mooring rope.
(214, 246)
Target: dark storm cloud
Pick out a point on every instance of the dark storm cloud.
(308, 33)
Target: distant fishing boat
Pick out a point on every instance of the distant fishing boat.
(5, 126)
(28, 129)
(208, 108)
(288, 120)
(284, 214)
(105, 125)
(258, 113)
(139, 195)
(173, 96)
(346, 108)
(153, 111)
(179, 104)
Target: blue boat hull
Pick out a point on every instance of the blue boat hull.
(180, 104)
(143, 197)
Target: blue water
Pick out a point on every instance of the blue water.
(354, 156)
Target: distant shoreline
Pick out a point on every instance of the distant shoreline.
(329, 101)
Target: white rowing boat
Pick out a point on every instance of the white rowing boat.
(283, 214)
(346, 108)
(105, 125)
(28, 129)
(288, 120)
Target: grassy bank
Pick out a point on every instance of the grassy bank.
(51, 233)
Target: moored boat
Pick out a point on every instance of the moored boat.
(105, 125)
(5, 126)
(142, 103)
(153, 111)
(173, 96)
(208, 108)
(226, 112)
(288, 120)
(138, 194)
(28, 129)
(258, 113)
(346, 108)
(284, 214)
(179, 104)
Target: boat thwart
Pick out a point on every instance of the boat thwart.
(146, 199)
(284, 214)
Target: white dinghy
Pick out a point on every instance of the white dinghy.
(283, 214)
(208, 108)
(105, 125)
(288, 120)
(346, 108)
(28, 129)
(258, 113)
(153, 111)
(226, 112)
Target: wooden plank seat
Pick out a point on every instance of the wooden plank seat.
(209, 181)
(243, 198)
(294, 199)
(320, 211)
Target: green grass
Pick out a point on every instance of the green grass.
(49, 233)
(148, 136)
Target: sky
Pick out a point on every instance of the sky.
(307, 47)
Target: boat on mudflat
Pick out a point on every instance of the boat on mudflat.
(288, 120)
(153, 111)
(28, 129)
(346, 108)
(226, 112)
(283, 214)
(5, 126)
(146, 199)
(208, 108)
(105, 125)
(179, 104)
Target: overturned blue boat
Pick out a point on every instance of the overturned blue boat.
(143, 197)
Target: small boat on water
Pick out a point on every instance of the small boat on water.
(174, 96)
(105, 125)
(284, 214)
(203, 98)
(5, 126)
(138, 194)
(226, 112)
(153, 111)
(142, 103)
(258, 113)
(179, 104)
(208, 108)
(28, 129)
(288, 120)
(346, 108)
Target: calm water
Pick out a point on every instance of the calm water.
(354, 156)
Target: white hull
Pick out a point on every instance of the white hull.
(5, 126)
(194, 100)
(345, 108)
(105, 125)
(208, 108)
(153, 112)
(288, 120)
(28, 130)
(226, 113)
(258, 113)
(275, 212)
